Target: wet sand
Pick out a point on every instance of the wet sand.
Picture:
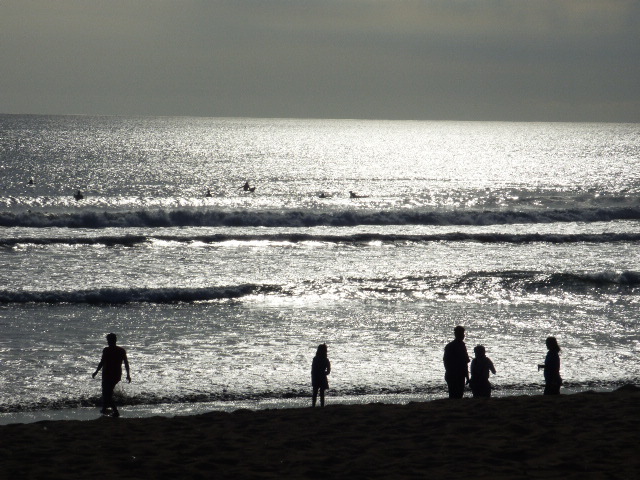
(581, 436)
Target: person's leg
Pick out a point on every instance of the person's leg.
(114, 407)
(482, 390)
(315, 396)
(456, 387)
(552, 389)
(107, 395)
(322, 397)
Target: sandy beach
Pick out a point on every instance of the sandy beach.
(581, 436)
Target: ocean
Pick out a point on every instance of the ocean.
(221, 295)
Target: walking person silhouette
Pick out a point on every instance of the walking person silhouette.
(551, 367)
(111, 365)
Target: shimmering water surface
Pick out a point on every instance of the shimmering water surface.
(517, 231)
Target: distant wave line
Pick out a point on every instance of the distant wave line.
(531, 280)
(307, 218)
(358, 238)
(116, 296)
(523, 282)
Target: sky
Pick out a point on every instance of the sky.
(494, 60)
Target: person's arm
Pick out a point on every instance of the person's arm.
(446, 358)
(328, 367)
(126, 366)
(468, 360)
(97, 369)
(491, 367)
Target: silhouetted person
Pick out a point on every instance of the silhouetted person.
(111, 365)
(78, 195)
(481, 365)
(320, 368)
(247, 188)
(208, 194)
(551, 366)
(355, 195)
(455, 360)
(31, 182)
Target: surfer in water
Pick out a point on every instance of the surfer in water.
(78, 195)
(247, 188)
(208, 194)
(355, 195)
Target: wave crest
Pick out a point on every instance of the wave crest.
(358, 238)
(115, 296)
(490, 283)
(307, 218)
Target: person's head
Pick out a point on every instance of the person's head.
(322, 350)
(479, 351)
(552, 344)
(111, 339)
(458, 332)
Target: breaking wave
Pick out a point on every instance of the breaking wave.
(359, 238)
(489, 283)
(117, 296)
(307, 218)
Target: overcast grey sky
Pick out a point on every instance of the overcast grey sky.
(530, 60)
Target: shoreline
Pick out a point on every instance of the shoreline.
(582, 436)
(171, 410)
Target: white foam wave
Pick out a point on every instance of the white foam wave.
(359, 238)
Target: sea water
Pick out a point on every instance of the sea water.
(518, 231)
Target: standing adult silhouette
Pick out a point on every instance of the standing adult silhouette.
(456, 361)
